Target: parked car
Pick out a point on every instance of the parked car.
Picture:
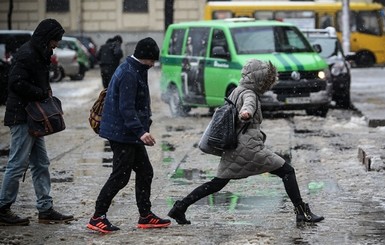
(10, 42)
(82, 53)
(201, 64)
(91, 46)
(332, 52)
(67, 65)
(4, 70)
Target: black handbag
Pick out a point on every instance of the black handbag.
(45, 117)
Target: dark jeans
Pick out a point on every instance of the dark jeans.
(286, 173)
(127, 157)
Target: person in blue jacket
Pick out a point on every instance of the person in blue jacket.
(125, 123)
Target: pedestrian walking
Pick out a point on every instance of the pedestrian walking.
(250, 156)
(109, 56)
(28, 82)
(125, 123)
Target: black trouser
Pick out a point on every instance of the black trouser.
(127, 157)
(106, 72)
(286, 173)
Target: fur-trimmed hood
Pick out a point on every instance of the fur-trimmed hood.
(258, 76)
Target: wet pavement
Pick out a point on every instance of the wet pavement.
(255, 210)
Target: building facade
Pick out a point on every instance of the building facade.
(100, 19)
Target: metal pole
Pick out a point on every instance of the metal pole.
(345, 26)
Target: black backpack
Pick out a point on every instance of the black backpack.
(221, 133)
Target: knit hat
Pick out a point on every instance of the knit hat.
(147, 49)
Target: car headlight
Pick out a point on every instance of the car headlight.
(324, 74)
(338, 68)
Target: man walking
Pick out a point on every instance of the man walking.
(109, 56)
(28, 82)
(126, 123)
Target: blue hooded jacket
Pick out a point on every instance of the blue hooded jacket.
(127, 112)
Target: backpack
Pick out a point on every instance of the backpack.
(221, 133)
(96, 111)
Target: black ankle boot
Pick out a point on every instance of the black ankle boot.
(304, 214)
(178, 213)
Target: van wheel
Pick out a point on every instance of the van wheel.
(175, 103)
(320, 112)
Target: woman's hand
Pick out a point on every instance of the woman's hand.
(245, 115)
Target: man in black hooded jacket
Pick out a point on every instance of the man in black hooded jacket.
(109, 56)
(29, 81)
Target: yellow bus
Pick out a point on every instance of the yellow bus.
(367, 21)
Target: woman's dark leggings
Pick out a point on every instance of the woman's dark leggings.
(286, 173)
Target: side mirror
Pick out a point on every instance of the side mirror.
(219, 52)
(317, 48)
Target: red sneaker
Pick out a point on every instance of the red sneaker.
(152, 221)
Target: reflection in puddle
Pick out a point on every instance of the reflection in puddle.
(168, 155)
(261, 199)
(188, 174)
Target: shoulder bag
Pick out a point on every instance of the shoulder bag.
(45, 117)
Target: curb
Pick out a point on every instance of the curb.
(371, 157)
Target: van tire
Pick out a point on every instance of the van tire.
(175, 103)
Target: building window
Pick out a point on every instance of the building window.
(57, 5)
(135, 6)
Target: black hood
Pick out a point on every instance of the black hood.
(47, 30)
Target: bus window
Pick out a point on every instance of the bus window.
(302, 19)
(362, 22)
(325, 20)
(176, 43)
(382, 14)
(222, 14)
(367, 22)
(263, 15)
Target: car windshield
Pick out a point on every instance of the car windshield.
(329, 46)
(268, 39)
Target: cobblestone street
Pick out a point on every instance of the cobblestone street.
(256, 210)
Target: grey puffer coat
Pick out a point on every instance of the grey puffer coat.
(250, 157)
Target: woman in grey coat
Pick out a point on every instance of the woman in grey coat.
(250, 157)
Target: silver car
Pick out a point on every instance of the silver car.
(67, 64)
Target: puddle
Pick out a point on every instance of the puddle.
(189, 174)
(167, 150)
(62, 176)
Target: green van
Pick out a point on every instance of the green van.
(201, 63)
